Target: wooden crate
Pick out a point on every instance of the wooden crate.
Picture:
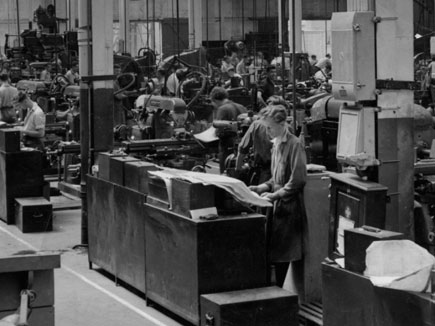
(33, 214)
(260, 307)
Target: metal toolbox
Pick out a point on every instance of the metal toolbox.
(356, 242)
(33, 214)
(20, 176)
(10, 140)
(136, 175)
(117, 168)
(269, 306)
(188, 196)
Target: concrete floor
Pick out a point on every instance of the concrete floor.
(82, 296)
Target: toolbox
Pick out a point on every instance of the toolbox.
(20, 176)
(268, 306)
(117, 168)
(10, 140)
(187, 196)
(104, 164)
(356, 242)
(136, 176)
(33, 214)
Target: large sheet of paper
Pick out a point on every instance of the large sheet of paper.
(233, 186)
(399, 264)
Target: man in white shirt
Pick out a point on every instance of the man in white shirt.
(33, 129)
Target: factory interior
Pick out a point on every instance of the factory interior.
(217, 163)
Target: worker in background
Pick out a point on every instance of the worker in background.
(266, 87)
(313, 60)
(46, 73)
(285, 190)
(234, 60)
(73, 74)
(324, 74)
(159, 81)
(7, 95)
(226, 64)
(6, 68)
(33, 129)
(172, 83)
(226, 110)
(322, 63)
(257, 138)
(235, 80)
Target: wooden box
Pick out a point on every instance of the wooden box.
(356, 242)
(14, 275)
(20, 176)
(269, 306)
(104, 164)
(117, 166)
(187, 196)
(34, 214)
(136, 176)
(10, 140)
(186, 258)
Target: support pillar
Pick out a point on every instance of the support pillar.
(195, 24)
(297, 25)
(395, 123)
(394, 39)
(102, 71)
(85, 64)
(124, 26)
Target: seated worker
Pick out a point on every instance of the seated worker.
(266, 88)
(73, 74)
(258, 138)
(229, 111)
(7, 95)
(33, 129)
(46, 73)
(235, 80)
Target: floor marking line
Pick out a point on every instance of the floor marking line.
(86, 280)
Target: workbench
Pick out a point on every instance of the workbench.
(33, 272)
(350, 299)
(186, 257)
(116, 226)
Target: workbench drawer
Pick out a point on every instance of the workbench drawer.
(33, 214)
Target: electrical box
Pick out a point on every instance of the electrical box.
(353, 203)
(356, 136)
(353, 56)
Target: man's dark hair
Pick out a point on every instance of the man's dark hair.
(218, 93)
(4, 77)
